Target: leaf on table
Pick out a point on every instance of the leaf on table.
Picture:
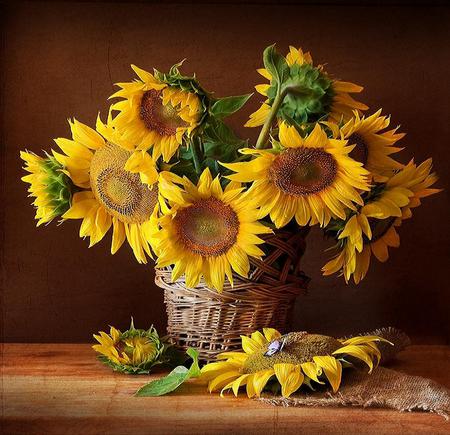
(165, 385)
(194, 371)
(173, 380)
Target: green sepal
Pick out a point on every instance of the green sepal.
(59, 187)
(187, 84)
(127, 369)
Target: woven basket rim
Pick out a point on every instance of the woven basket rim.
(242, 290)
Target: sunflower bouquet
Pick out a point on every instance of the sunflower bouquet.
(166, 173)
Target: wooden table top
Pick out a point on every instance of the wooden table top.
(64, 389)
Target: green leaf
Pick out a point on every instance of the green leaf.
(194, 371)
(226, 106)
(276, 65)
(165, 385)
(173, 380)
(185, 168)
(218, 132)
(220, 144)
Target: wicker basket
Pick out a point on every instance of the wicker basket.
(213, 322)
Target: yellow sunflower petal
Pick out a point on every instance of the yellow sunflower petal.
(312, 370)
(289, 376)
(357, 352)
(223, 379)
(332, 369)
(271, 334)
(260, 380)
(249, 345)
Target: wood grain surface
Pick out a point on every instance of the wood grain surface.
(63, 389)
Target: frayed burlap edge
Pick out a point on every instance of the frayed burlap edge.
(397, 337)
(384, 388)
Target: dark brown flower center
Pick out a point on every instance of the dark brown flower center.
(158, 117)
(361, 152)
(118, 190)
(209, 227)
(303, 171)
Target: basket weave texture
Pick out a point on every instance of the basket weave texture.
(213, 322)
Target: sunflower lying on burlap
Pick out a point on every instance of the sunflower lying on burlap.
(289, 361)
(134, 351)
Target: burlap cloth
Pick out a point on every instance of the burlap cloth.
(384, 388)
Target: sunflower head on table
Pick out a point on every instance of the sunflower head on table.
(285, 363)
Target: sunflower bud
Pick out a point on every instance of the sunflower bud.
(134, 351)
(49, 184)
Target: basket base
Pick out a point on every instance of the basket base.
(213, 322)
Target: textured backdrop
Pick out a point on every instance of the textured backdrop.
(61, 60)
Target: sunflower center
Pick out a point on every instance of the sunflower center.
(120, 191)
(163, 119)
(299, 348)
(209, 227)
(379, 228)
(361, 152)
(303, 171)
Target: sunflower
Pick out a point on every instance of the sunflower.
(134, 351)
(321, 96)
(312, 179)
(111, 195)
(154, 113)
(288, 361)
(373, 146)
(373, 228)
(49, 184)
(207, 231)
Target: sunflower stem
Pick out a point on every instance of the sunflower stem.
(195, 157)
(265, 131)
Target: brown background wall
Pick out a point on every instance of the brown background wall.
(61, 60)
